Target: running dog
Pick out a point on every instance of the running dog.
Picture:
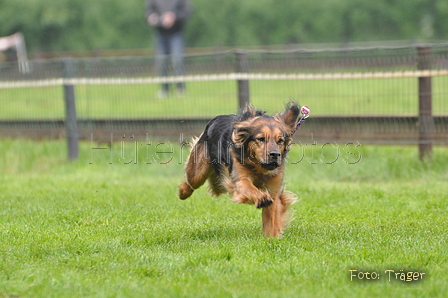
(244, 155)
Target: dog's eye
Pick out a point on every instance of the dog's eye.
(281, 142)
(261, 140)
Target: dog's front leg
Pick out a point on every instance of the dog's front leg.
(246, 193)
(275, 217)
(272, 217)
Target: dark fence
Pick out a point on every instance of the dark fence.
(388, 95)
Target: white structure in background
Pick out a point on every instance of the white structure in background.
(17, 41)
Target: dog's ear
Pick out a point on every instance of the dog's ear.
(291, 114)
(240, 134)
(250, 112)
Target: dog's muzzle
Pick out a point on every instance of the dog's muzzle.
(273, 161)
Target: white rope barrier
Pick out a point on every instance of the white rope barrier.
(223, 77)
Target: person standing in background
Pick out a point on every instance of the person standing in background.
(168, 17)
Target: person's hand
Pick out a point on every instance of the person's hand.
(153, 19)
(168, 19)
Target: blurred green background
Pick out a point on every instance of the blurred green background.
(76, 25)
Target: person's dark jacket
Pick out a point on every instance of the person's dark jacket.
(181, 8)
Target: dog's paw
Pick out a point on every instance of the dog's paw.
(264, 201)
(185, 191)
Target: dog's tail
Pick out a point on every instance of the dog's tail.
(194, 140)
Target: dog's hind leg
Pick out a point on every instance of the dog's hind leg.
(197, 169)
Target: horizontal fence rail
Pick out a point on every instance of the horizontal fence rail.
(223, 77)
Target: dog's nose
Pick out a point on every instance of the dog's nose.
(274, 154)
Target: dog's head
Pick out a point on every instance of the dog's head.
(265, 140)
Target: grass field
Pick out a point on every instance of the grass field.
(325, 97)
(89, 228)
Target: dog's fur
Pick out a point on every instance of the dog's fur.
(244, 155)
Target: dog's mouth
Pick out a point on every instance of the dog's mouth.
(270, 166)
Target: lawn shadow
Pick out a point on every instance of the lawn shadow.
(190, 236)
(228, 233)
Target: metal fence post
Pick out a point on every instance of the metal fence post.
(426, 122)
(71, 123)
(242, 66)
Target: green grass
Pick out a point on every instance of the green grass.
(92, 229)
(207, 99)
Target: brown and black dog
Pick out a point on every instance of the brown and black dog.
(244, 155)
